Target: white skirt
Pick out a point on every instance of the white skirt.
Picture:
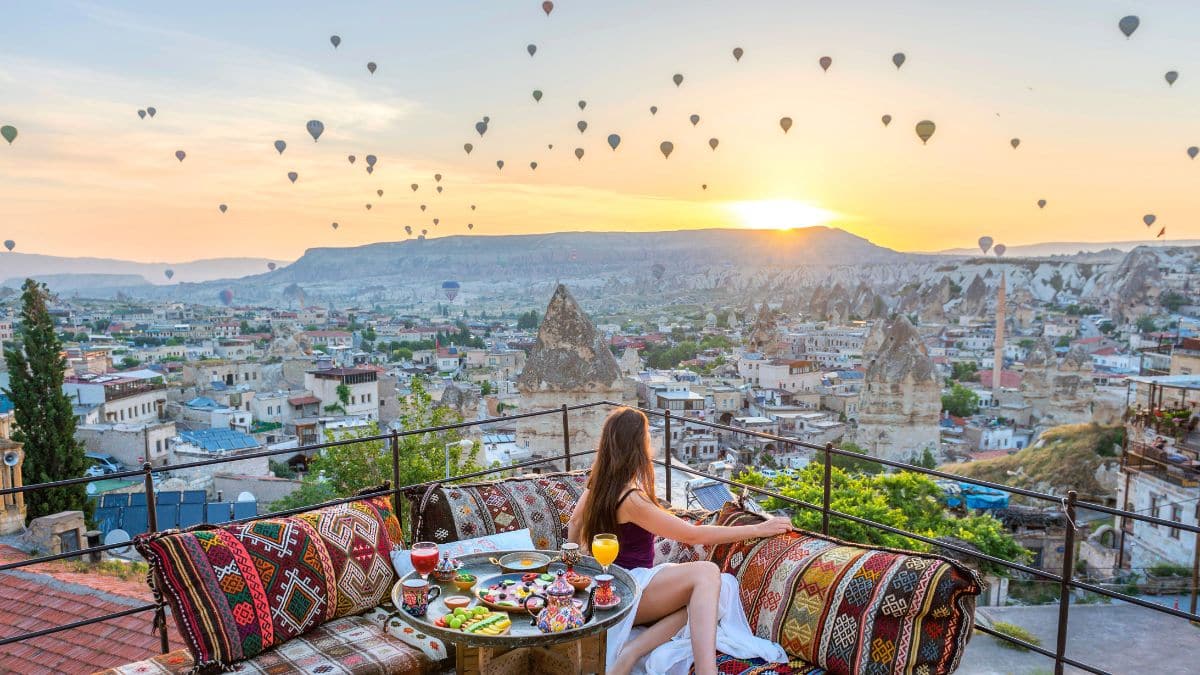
(674, 657)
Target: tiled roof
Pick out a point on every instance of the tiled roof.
(47, 595)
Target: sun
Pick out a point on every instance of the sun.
(778, 214)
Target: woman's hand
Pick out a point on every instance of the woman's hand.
(773, 526)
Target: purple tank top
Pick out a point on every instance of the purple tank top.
(636, 544)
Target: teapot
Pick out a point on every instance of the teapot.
(559, 612)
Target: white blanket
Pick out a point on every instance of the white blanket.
(674, 657)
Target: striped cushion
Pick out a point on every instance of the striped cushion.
(238, 590)
(848, 608)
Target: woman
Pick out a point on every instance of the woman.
(620, 499)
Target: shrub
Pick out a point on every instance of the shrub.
(1012, 630)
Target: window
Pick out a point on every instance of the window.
(1153, 508)
(1177, 516)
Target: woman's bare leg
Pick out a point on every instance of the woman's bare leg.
(696, 586)
(658, 633)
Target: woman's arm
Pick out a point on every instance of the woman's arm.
(638, 509)
(576, 520)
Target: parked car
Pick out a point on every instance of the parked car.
(104, 463)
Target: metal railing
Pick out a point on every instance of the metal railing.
(1070, 504)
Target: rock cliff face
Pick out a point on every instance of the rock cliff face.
(900, 401)
(571, 364)
(764, 336)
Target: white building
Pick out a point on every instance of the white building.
(121, 397)
(362, 384)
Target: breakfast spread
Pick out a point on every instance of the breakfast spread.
(478, 620)
(509, 591)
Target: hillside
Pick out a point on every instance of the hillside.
(22, 265)
(71, 283)
(1081, 457)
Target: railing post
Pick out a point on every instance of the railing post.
(1064, 589)
(566, 439)
(826, 485)
(667, 450)
(394, 442)
(160, 614)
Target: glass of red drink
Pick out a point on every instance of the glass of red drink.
(424, 557)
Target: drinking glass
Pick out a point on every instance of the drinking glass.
(570, 556)
(605, 549)
(424, 558)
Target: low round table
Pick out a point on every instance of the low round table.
(524, 649)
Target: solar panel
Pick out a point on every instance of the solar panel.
(190, 514)
(168, 497)
(168, 516)
(712, 496)
(108, 519)
(137, 499)
(134, 519)
(244, 510)
(217, 513)
(194, 497)
(114, 501)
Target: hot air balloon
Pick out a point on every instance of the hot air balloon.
(472, 207)
(439, 189)
(223, 208)
(886, 119)
(292, 176)
(677, 79)
(653, 110)
(984, 244)
(10, 244)
(422, 208)
(1128, 24)
(423, 233)
(537, 94)
(371, 67)
(785, 123)
(547, 7)
(712, 143)
(151, 111)
(379, 192)
(533, 166)
(450, 289)
(335, 40)
(1149, 219)
(370, 170)
(694, 119)
(468, 147)
(613, 141)
(825, 62)
(179, 154)
(666, 147)
(315, 129)
(898, 59)
(414, 187)
(578, 155)
(704, 186)
(1014, 143)
(500, 164)
(999, 249)
(1193, 151)
(142, 114)
(334, 225)
(271, 266)
(436, 221)
(481, 128)
(581, 125)
(169, 274)
(280, 146)
(1171, 76)
(350, 158)
(371, 159)
(408, 229)
(925, 130)
(657, 270)
(737, 53)
(437, 177)
(532, 49)
(550, 146)
(470, 226)
(226, 297)
(1041, 203)
(487, 120)
(582, 104)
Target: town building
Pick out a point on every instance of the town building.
(120, 397)
(361, 390)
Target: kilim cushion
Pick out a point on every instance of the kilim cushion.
(671, 551)
(849, 608)
(238, 590)
(540, 502)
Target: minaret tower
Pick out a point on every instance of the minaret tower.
(998, 363)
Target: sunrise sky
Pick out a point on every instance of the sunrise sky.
(1103, 138)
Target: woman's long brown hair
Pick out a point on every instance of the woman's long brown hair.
(622, 461)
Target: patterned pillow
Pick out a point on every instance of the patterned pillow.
(238, 590)
(848, 608)
(540, 502)
(671, 551)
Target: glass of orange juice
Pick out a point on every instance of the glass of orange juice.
(605, 549)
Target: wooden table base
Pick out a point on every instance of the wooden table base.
(585, 656)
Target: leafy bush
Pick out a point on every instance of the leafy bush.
(1012, 630)
(1166, 569)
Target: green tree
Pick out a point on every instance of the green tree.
(1146, 324)
(528, 320)
(244, 328)
(485, 388)
(960, 401)
(346, 469)
(44, 418)
(965, 371)
(129, 362)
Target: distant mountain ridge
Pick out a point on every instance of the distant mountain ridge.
(1069, 248)
(16, 265)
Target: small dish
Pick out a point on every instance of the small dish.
(455, 601)
(522, 561)
(580, 582)
(464, 582)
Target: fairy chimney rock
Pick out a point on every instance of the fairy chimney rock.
(900, 401)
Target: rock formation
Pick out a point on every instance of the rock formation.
(901, 397)
(630, 362)
(764, 336)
